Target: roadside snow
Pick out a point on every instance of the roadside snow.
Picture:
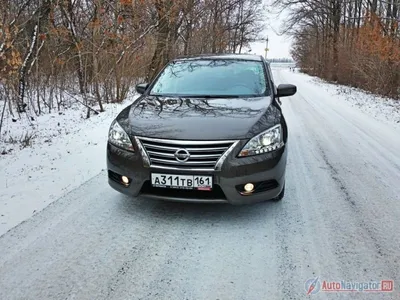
(382, 109)
(67, 151)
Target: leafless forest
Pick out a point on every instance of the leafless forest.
(353, 42)
(55, 52)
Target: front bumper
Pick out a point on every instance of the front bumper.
(269, 168)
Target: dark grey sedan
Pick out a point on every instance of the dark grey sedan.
(206, 129)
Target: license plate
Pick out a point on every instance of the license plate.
(188, 182)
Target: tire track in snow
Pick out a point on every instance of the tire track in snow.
(344, 190)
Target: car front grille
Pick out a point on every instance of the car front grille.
(203, 155)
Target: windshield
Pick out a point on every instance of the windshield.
(214, 77)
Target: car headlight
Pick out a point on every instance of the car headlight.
(264, 142)
(118, 137)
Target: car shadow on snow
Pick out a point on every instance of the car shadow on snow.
(199, 212)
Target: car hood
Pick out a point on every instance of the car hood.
(198, 119)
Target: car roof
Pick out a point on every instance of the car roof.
(252, 57)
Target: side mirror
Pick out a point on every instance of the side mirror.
(141, 88)
(285, 90)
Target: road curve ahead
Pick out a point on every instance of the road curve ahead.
(339, 220)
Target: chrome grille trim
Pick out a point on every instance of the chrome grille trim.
(193, 163)
(146, 159)
(169, 155)
(219, 163)
(191, 149)
(204, 155)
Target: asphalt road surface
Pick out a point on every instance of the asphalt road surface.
(339, 220)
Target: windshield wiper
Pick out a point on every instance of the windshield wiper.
(209, 96)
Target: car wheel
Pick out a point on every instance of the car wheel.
(280, 196)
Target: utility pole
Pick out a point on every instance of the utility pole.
(266, 47)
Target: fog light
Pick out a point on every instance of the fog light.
(249, 187)
(125, 179)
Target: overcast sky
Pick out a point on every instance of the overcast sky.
(279, 46)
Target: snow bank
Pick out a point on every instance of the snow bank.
(382, 109)
(67, 150)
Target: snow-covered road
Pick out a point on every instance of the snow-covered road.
(339, 220)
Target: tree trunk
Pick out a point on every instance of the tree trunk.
(96, 36)
(214, 27)
(336, 27)
(2, 113)
(22, 72)
(160, 56)
(68, 15)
